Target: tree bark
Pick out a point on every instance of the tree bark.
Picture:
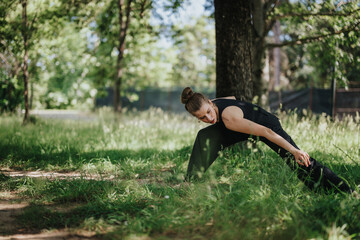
(258, 56)
(25, 60)
(277, 60)
(234, 43)
(121, 47)
(259, 16)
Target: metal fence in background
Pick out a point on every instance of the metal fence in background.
(347, 101)
(318, 101)
(168, 100)
(314, 99)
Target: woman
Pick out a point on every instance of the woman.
(234, 121)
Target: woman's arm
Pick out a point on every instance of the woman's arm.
(233, 119)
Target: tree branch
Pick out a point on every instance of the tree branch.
(270, 4)
(269, 26)
(4, 59)
(312, 39)
(304, 15)
(123, 25)
(31, 28)
(270, 23)
(142, 8)
(120, 5)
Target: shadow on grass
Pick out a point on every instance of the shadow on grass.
(98, 214)
(19, 158)
(95, 216)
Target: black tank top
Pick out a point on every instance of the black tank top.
(251, 112)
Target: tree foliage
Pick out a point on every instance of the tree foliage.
(74, 47)
(195, 48)
(321, 41)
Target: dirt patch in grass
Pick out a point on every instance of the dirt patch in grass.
(52, 235)
(153, 178)
(11, 207)
(57, 175)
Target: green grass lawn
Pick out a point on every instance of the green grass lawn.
(248, 194)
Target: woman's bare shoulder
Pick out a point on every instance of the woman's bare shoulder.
(232, 113)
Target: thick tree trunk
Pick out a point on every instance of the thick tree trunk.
(258, 69)
(233, 49)
(277, 56)
(258, 14)
(25, 62)
(121, 47)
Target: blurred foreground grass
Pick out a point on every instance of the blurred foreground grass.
(245, 194)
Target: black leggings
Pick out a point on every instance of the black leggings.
(212, 139)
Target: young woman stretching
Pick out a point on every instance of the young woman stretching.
(234, 121)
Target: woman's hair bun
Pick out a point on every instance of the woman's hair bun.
(186, 94)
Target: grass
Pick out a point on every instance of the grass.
(245, 194)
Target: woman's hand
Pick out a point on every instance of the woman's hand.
(302, 158)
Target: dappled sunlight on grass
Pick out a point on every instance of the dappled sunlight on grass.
(149, 129)
(130, 172)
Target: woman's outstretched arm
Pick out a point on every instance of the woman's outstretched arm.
(233, 119)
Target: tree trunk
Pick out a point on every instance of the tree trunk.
(117, 87)
(277, 60)
(25, 62)
(258, 15)
(258, 69)
(31, 94)
(121, 47)
(233, 49)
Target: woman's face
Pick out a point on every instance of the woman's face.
(206, 113)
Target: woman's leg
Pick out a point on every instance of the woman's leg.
(209, 141)
(312, 175)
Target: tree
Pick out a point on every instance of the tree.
(233, 49)
(331, 34)
(11, 45)
(113, 33)
(247, 38)
(18, 42)
(11, 91)
(124, 25)
(241, 28)
(25, 36)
